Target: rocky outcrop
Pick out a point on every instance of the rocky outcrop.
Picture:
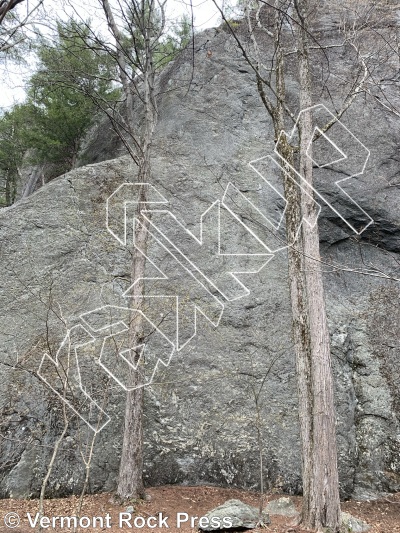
(281, 507)
(354, 525)
(58, 262)
(234, 514)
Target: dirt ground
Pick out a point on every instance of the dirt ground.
(382, 515)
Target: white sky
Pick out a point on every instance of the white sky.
(13, 76)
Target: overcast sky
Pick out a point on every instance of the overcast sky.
(13, 76)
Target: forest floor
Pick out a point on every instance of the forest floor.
(382, 515)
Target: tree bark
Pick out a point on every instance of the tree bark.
(6, 6)
(126, 80)
(321, 503)
(130, 482)
(321, 506)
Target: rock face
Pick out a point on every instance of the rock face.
(240, 515)
(59, 262)
(354, 525)
(282, 507)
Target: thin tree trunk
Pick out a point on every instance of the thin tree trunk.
(296, 265)
(321, 504)
(56, 448)
(130, 482)
(321, 484)
(300, 316)
(130, 479)
(122, 64)
(88, 463)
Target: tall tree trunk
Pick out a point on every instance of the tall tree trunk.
(130, 482)
(125, 128)
(321, 504)
(321, 507)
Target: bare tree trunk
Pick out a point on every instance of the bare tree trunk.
(321, 503)
(6, 6)
(297, 274)
(130, 482)
(130, 478)
(55, 450)
(321, 506)
(87, 460)
(300, 320)
(122, 61)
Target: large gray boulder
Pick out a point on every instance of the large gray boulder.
(351, 524)
(59, 262)
(234, 514)
(281, 507)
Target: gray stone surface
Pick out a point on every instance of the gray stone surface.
(57, 261)
(241, 516)
(282, 507)
(352, 524)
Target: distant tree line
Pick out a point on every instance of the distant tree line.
(74, 81)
